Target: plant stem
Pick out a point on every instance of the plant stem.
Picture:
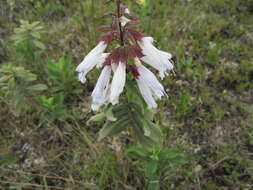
(118, 2)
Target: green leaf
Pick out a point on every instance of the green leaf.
(36, 35)
(53, 109)
(34, 24)
(133, 94)
(173, 157)
(18, 86)
(111, 128)
(37, 87)
(130, 115)
(39, 44)
(5, 78)
(142, 125)
(62, 76)
(149, 113)
(109, 114)
(150, 169)
(77, 91)
(97, 118)
(171, 153)
(7, 159)
(26, 39)
(137, 151)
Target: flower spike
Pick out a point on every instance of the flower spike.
(135, 46)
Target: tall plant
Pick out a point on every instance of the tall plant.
(27, 40)
(19, 86)
(130, 52)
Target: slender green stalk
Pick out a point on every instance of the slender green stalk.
(122, 43)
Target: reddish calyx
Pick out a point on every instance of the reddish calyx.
(109, 37)
(105, 28)
(133, 69)
(122, 54)
(129, 48)
(136, 35)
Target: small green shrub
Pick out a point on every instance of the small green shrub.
(154, 163)
(28, 40)
(184, 104)
(52, 109)
(62, 77)
(19, 86)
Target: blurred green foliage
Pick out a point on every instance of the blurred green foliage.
(62, 75)
(18, 86)
(52, 109)
(27, 39)
(156, 162)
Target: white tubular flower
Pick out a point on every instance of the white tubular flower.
(156, 58)
(127, 11)
(124, 20)
(151, 81)
(102, 60)
(114, 67)
(146, 93)
(100, 91)
(118, 83)
(90, 61)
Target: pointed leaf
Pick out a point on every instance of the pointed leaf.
(111, 128)
(39, 44)
(97, 118)
(150, 169)
(109, 114)
(137, 151)
(37, 87)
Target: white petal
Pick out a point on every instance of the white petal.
(146, 93)
(95, 106)
(148, 39)
(81, 77)
(118, 83)
(151, 81)
(156, 58)
(99, 92)
(114, 67)
(107, 92)
(127, 11)
(90, 61)
(102, 60)
(124, 20)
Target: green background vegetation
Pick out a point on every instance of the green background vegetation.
(46, 141)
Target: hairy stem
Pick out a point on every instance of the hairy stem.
(121, 33)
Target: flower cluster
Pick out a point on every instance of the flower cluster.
(136, 49)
